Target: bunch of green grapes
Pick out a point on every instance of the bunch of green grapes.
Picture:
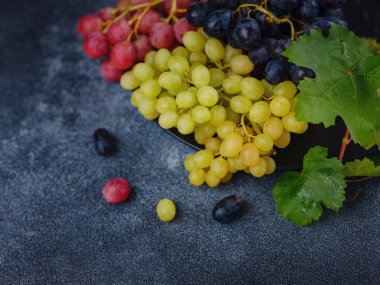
(205, 88)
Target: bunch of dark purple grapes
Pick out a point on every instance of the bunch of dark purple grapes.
(264, 28)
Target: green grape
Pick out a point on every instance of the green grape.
(186, 99)
(150, 88)
(219, 167)
(230, 52)
(136, 97)
(249, 154)
(227, 178)
(240, 104)
(168, 119)
(259, 112)
(212, 180)
(181, 51)
(129, 82)
(143, 71)
(232, 116)
(189, 163)
(178, 64)
(252, 88)
(200, 114)
(273, 127)
(212, 144)
(161, 60)
(166, 104)
(214, 49)
(218, 115)
(280, 106)
(150, 58)
(170, 80)
(238, 163)
(226, 128)
(292, 125)
(185, 124)
(287, 89)
(217, 77)
(284, 140)
(231, 165)
(241, 64)
(232, 84)
(268, 88)
(147, 107)
(197, 177)
(271, 165)
(259, 169)
(203, 158)
(264, 142)
(207, 96)
(200, 137)
(194, 41)
(232, 145)
(198, 57)
(207, 129)
(200, 76)
(184, 86)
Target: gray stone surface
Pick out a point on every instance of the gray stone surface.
(55, 227)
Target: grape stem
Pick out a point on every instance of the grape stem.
(345, 142)
(172, 12)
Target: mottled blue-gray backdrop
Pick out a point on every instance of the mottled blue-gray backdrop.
(55, 227)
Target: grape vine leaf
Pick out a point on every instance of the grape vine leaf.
(299, 196)
(347, 83)
(365, 167)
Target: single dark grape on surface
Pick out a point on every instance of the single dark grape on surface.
(229, 209)
(197, 14)
(248, 33)
(224, 4)
(307, 9)
(298, 73)
(105, 143)
(219, 23)
(276, 72)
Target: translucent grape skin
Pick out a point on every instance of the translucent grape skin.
(162, 35)
(119, 31)
(95, 45)
(109, 72)
(123, 55)
(89, 24)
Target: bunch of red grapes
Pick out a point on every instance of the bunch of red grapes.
(125, 34)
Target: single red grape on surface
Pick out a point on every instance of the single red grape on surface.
(123, 55)
(162, 35)
(96, 45)
(181, 27)
(119, 31)
(116, 191)
(142, 46)
(109, 72)
(106, 14)
(147, 21)
(89, 24)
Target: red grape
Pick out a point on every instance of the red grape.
(116, 190)
(96, 45)
(106, 14)
(123, 55)
(89, 24)
(142, 46)
(162, 35)
(149, 19)
(181, 27)
(181, 4)
(119, 31)
(109, 72)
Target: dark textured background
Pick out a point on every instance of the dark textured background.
(55, 227)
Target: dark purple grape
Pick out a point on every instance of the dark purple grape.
(219, 23)
(105, 143)
(323, 24)
(268, 29)
(229, 209)
(232, 38)
(276, 72)
(248, 33)
(197, 14)
(259, 56)
(223, 4)
(307, 9)
(298, 73)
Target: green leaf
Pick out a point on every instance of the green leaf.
(365, 167)
(299, 196)
(347, 83)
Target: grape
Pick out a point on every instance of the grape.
(241, 64)
(233, 39)
(142, 46)
(280, 106)
(185, 124)
(238, 163)
(166, 210)
(268, 88)
(161, 60)
(186, 99)
(207, 129)
(271, 165)
(230, 52)
(150, 58)
(240, 104)
(123, 55)
(287, 89)
(292, 125)
(168, 119)
(218, 23)
(128, 81)
(119, 31)
(148, 20)
(203, 158)
(273, 127)
(212, 144)
(249, 154)
(104, 142)
(214, 49)
(194, 41)
(170, 80)
(116, 191)
(259, 169)
(248, 33)
(181, 27)
(232, 145)
(165, 104)
(197, 177)
(226, 128)
(232, 84)
(143, 71)
(225, 4)
(189, 163)
(264, 142)
(184, 86)
(200, 137)
(109, 72)
(200, 114)
(207, 96)
(260, 112)
(217, 77)
(181, 51)
(252, 88)
(259, 56)
(197, 14)
(275, 72)
(161, 35)
(229, 209)
(178, 64)
(106, 14)
(284, 140)
(267, 28)
(198, 57)
(96, 45)
(212, 180)
(136, 98)
(227, 178)
(218, 115)
(299, 73)
(232, 116)
(150, 88)
(89, 24)
(147, 107)
(307, 9)
(231, 166)
(200, 76)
